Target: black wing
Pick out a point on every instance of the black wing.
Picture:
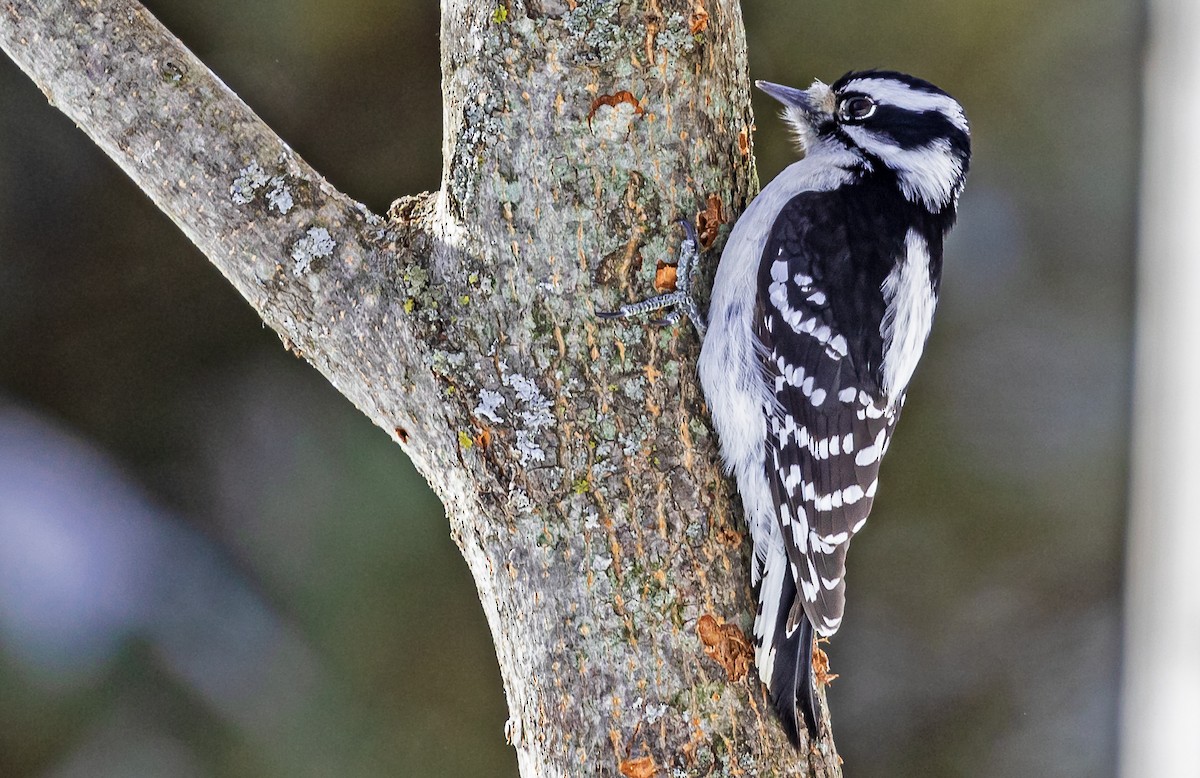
(820, 306)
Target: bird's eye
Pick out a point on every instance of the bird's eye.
(856, 109)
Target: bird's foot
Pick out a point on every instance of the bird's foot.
(681, 302)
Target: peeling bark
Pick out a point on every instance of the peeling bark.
(574, 457)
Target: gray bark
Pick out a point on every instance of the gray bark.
(574, 457)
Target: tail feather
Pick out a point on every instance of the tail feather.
(791, 684)
(785, 660)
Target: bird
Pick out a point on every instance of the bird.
(820, 309)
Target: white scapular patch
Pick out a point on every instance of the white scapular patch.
(909, 315)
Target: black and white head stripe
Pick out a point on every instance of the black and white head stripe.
(902, 92)
(885, 121)
(916, 130)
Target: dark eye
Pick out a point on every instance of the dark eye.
(855, 109)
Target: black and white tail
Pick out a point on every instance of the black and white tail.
(784, 657)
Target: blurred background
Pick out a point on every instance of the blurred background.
(212, 565)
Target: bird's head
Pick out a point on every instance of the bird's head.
(882, 119)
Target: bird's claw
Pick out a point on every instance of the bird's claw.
(680, 301)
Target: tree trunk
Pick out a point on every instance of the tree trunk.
(574, 457)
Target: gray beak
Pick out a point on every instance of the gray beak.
(810, 104)
(789, 96)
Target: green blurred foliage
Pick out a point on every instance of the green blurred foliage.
(982, 633)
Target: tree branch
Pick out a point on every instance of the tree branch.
(579, 476)
(306, 257)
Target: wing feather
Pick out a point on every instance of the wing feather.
(827, 422)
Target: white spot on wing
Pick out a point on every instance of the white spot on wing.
(871, 453)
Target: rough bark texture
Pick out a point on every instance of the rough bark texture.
(574, 457)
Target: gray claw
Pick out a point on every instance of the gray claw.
(681, 300)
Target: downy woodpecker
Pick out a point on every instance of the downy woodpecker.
(820, 309)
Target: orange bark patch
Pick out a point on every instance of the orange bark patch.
(744, 141)
(709, 221)
(727, 644)
(624, 96)
(820, 662)
(642, 767)
(728, 536)
(653, 20)
(699, 21)
(665, 277)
